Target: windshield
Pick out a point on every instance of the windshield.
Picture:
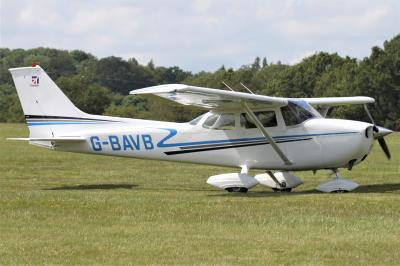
(298, 111)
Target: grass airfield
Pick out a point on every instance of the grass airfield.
(64, 208)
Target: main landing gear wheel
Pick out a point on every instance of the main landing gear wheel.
(339, 191)
(282, 189)
(237, 189)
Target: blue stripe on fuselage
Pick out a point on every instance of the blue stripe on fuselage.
(173, 132)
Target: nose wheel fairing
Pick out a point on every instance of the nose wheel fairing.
(337, 184)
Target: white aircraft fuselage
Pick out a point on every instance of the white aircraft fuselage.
(242, 130)
(306, 144)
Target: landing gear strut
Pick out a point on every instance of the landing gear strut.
(279, 181)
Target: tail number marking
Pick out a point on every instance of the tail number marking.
(123, 143)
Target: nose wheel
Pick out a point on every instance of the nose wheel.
(337, 184)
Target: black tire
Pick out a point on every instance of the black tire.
(237, 189)
(243, 190)
(282, 189)
(339, 191)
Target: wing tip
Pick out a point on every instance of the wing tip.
(334, 101)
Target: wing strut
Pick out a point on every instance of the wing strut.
(265, 133)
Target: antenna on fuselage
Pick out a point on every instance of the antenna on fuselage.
(226, 85)
(244, 86)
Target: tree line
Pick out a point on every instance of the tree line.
(101, 86)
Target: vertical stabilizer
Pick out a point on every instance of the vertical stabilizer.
(41, 98)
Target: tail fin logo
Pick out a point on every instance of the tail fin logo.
(35, 81)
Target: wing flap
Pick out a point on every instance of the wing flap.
(209, 98)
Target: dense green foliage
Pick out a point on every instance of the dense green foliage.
(73, 209)
(97, 85)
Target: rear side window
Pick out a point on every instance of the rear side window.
(267, 119)
(220, 122)
(210, 121)
(196, 120)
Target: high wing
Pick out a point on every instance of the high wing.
(336, 101)
(220, 99)
(209, 98)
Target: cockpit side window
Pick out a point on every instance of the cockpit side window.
(267, 119)
(297, 112)
(220, 122)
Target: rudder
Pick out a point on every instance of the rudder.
(41, 97)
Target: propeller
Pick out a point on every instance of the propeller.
(379, 133)
(384, 147)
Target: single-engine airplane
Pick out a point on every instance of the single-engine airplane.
(243, 130)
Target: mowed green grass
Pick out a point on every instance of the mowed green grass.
(64, 208)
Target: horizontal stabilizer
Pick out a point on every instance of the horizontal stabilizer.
(73, 138)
